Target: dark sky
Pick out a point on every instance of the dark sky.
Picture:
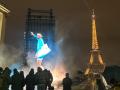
(73, 23)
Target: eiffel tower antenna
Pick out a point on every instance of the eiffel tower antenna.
(96, 64)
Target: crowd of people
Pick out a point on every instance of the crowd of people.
(42, 79)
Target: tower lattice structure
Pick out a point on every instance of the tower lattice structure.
(96, 64)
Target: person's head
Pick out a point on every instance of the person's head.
(1, 69)
(39, 35)
(39, 69)
(45, 70)
(21, 73)
(7, 71)
(67, 74)
(15, 71)
(31, 71)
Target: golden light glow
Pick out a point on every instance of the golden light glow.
(58, 74)
(87, 71)
(3, 9)
(100, 59)
(94, 40)
(91, 59)
(1, 20)
(94, 34)
(95, 58)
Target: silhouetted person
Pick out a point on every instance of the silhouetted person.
(100, 85)
(15, 80)
(40, 78)
(48, 78)
(1, 79)
(1, 71)
(5, 77)
(22, 80)
(51, 88)
(112, 81)
(67, 82)
(30, 80)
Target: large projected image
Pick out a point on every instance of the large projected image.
(42, 48)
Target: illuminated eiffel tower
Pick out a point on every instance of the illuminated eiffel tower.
(96, 64)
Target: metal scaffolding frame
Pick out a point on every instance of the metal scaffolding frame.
(39, 21)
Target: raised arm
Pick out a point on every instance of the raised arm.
(33, 35)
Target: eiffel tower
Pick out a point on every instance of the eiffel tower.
(96, 64)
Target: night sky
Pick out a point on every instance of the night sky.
(73, 24)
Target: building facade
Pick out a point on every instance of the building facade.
(3, 12)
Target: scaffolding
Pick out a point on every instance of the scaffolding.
(39, 21)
